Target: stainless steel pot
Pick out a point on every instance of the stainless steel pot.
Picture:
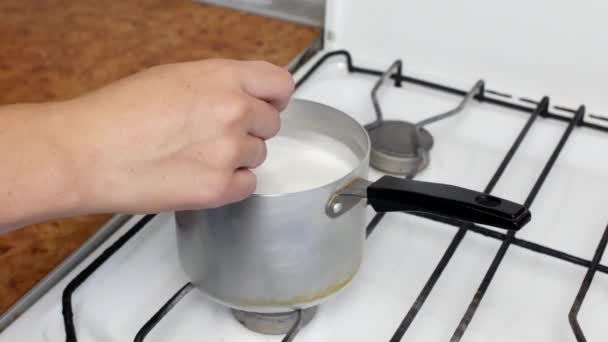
(280, 252)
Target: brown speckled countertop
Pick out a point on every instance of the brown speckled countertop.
(53, 50)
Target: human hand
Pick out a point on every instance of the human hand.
(180, 136)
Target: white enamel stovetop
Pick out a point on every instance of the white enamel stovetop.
(528, 300)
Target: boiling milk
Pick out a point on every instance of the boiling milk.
(299, 161)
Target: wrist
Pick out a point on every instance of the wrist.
(74, 132)
(67, 140)
(38, 181)
(88, 137)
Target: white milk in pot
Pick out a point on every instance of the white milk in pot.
(299, 161)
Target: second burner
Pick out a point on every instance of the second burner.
(399, 147)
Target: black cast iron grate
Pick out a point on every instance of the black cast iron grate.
(508, 239)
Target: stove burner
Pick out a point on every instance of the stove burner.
(275, 323)
(399, 147)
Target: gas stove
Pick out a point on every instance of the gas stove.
(422, 278)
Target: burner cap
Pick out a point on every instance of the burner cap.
(273, 323)
(399, 148)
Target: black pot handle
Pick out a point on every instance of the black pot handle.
(398, 194)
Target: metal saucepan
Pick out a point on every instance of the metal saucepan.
(284, 251)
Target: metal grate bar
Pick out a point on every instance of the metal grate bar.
(485, 283)
(582, 292)
(322, 60)
(560, 145)
(477, 91)
(66, 298)
(371, 226)
(428, 287)
(436, 86)
(449, 252)
(158, 316)
(525, 244)
(397, 66)
(291, 334)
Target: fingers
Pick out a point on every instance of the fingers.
(264, 121)
(267, 82)
(252, 153)
(242, 184)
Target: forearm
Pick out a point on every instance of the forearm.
(36, 178)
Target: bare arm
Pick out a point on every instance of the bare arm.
(172, 137)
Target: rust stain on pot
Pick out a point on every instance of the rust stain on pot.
(301, 299)
(344, 187)
(345, 205)
(323, 293)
